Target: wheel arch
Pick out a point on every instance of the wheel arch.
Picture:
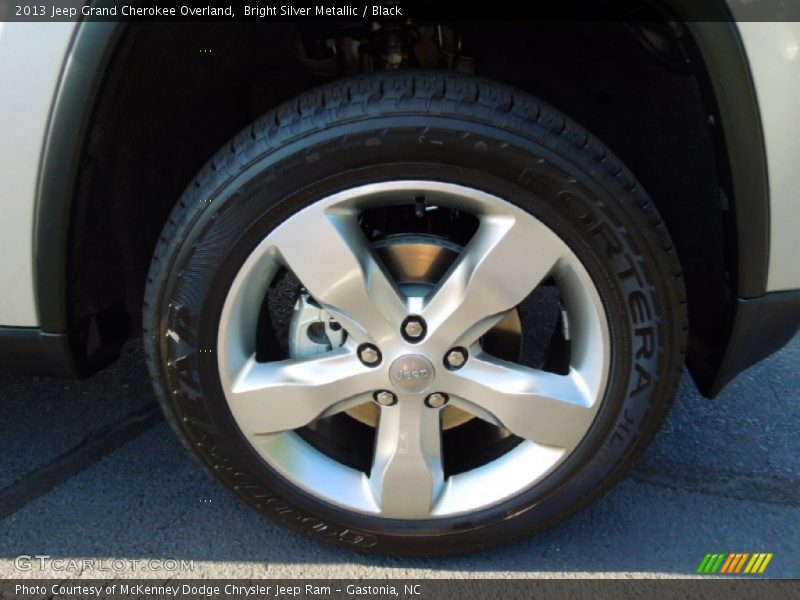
(95, 341)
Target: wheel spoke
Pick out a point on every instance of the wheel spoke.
(284, 395)
(503, 263)
(407, 474)
(550, 409)
(338, 268)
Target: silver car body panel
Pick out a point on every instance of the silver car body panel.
(773, 51)
(32, 56)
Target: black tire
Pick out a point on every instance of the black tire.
(380, 126)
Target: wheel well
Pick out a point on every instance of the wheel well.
(175, 92)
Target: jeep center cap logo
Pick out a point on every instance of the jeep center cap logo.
(412, 374)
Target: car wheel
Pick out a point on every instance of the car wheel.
(415, 313)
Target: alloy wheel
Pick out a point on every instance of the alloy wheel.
(413, 353)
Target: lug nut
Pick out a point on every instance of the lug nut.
(369, 355)
(414, 329)
(456, 358)
(436, 400)
(384, 398)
